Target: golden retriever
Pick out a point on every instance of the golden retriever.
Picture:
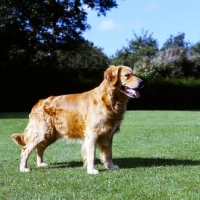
(92, 116)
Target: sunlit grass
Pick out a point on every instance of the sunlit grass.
(158, 153)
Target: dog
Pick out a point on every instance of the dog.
(93, 116)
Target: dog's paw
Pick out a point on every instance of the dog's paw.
(92, 171)
(84, 165)
(113, 167)
(25, 170)
(42, 164)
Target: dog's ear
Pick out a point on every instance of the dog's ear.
(112, 74)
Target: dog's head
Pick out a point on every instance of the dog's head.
(124, 79)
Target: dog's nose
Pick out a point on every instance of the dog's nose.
(141, 83)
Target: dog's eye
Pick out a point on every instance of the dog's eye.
(127, 76)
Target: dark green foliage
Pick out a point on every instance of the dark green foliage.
(139, 47)
(43, 52)
(176, 42)
(21, 89)
(51, 22)
(31, 32)
(85, 62)
(196, 53)
(177, 58)
(168, 94)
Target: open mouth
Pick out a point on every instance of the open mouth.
(133, 93)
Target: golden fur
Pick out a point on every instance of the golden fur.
(92, 116)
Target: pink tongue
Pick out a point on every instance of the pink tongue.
(134, 92)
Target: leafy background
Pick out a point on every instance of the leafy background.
(43, 53)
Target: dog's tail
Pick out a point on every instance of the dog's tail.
(18, 139)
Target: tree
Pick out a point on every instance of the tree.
(196, 48)
(138, 48)
(42, 49)
(86, 62)
(51, 21)
(176, 42)
(33, 29)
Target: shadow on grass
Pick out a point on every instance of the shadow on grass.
(134, 162)
(70, 164)
(151, 162)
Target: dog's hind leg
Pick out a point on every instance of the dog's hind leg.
(41, 148)
(40, 152)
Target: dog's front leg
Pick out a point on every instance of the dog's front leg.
(90, 145)
(106, 154)
(24, 156)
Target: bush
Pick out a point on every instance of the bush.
(168, 94)
(174, 62)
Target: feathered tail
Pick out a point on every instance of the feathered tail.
(18, 139)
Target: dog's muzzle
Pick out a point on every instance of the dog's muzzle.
(133, 92)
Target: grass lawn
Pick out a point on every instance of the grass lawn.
(158, 153)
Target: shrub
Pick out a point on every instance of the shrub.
(173, 62)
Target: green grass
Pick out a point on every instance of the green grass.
(158, 153)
